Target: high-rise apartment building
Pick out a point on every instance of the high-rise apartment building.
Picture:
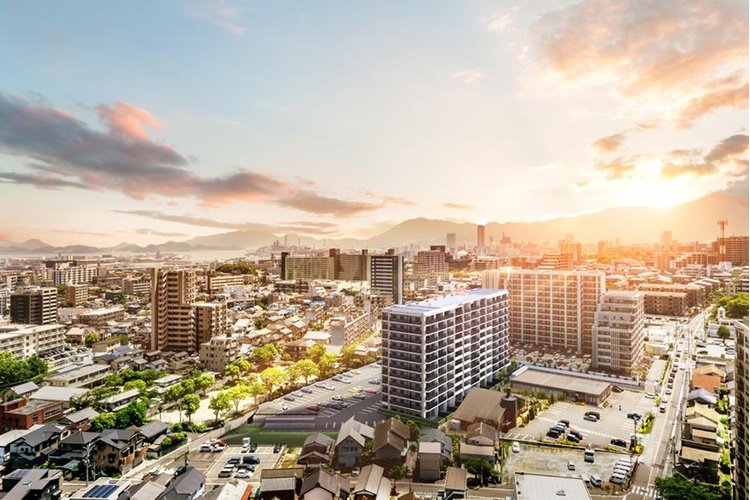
(732, 249)
(435, 351)
(34, 306)
(741, 430)
(450, 242)
(172, 313)
(617, 336)
(551, 308)
(65, 272)
(480, 238)
(210, 320)
(387, 275)
(666, 240)
(432, 261)
(75, 295)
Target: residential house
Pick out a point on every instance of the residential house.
(390, 442)
(701, 396)
(79, 420)
(468, 451)
(33, 447)
(455, 483)
(324, 485)
(708, 377)
(372, 484)
(350, 443)
(429, 461)
(119, 450)
(317, 449)
(32, 484)
(481, 434)
(119, 401)
(436, 436)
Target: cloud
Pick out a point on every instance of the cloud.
(727, 153)
(221, 14)
(684, 57)
(312, 202)
(457, 206)
(126, 119)
(305, 227)
(398, 200)
(620, 168)
(39, 180)
(82, 233)
(154, 232)
(469, 76)
(499, 22)
(610, 143)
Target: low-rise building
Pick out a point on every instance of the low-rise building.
(528, 379)
(527, 486)
(350, 443)
(219, 352)
(23, 413)
(24, 341)
(102, 316)
(75, 295)
(85, 376)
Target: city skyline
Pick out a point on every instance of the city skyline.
(153, 122)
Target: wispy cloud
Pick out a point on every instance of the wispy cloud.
(693, 162)
(618, 168)
(499, 22)
(609, 143)
(457, 206)
(310, 201)
(469, 76)
(166, 234)
(220, 13)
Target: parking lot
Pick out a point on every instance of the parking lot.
(612, 424)
(360, 398)
(212, 463)
(548, 460)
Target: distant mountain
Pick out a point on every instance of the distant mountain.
(693, 221)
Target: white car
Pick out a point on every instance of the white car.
(516, 447)
(650, 395)
(285, 407)
(242, 474)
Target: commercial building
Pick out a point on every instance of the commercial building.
(618, 332)
(551, 308)
(741, 430)
(530, 380)
(172, 314)
(215, 282)
(434, 351)
(34, 305)
(75, 295)
(210, 320)
(387, 275)
(24, 341)
(219, 352)
(528, 486)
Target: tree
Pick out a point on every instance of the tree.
(140, 385)
(679, 488)
(103, 421)
(218, 403)
(173, 393)
(348, 355)
(307, 369)
(204, 382)
(256, 389)
(293, 373)
(723, 332)
(316, 352)
(481, 468)
(414, 429)
(272, 377)
(91, 339)
(397, 472)
(166, 442)
(13, 371)
(232, 371)
(326, 363)
(243, 365)
(190, 404)
(236, 394)
(133, 414)
(264, 355)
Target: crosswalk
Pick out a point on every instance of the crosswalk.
(644, 492)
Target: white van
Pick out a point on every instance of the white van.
(596, 480)
(617, 478)
(622, 469)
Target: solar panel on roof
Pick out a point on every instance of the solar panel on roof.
(107, 490)
(91, 492)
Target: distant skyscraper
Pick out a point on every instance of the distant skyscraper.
(34, 306)
(480, 238)
(172, 312)
(434, 351)
(387, 275)
(450, 241)
(617, 336)
(666, 240)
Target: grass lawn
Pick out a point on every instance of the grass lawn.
(257, 435)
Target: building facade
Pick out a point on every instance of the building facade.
(742, 437)
(219, 352)
(436, 350)
(34, 306)
(387, 275)
(618, 332)
(210, 320)
(172, 314)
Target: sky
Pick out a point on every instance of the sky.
(149, 121)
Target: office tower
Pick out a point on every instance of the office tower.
(172, 312)
(210, 320)
(617, 336)
(666, 240)
(387, 275)
(741, 431)
(434, 351)
(480, 238)
(432, 261)
(450, 242)
(551, 308)
(34, 306)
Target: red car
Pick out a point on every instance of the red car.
(313, 408)
(370, 391)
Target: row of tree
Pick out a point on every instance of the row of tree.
(15, 371)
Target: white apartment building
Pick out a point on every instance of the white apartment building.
(618, 332)
(72, 275)
(24, 341)
(551, 308)
(219, 352)
(434, 351)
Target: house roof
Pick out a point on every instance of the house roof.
(702, 395)
(79, 416)
(277, 484)
(473, 449)
(390, 432)
(40, 435)
(430, 447)
(318, 438)
(455, 479)
(81, 438)
(481, 429)
(49, 393)
(372, 482)
(480, 404)
(329, 481)
(186, 484)
(25, 388)
(153, 429)
(357, 430)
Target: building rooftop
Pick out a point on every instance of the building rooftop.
(445, 303)
(558, 381)
(548, 487)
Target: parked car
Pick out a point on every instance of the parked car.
(253, 447)
(207, 448)
(634, 415)
(250, 459)
(336, 378)
(330, 387)
(306, 390)
(338, 397)
(588, 455)
(619, 442)
(336, 406)
(571, 465)
(573, 438)
(370, 391)
(596, 480)
(322, 385)
(650, 395)
(313, 408)
(553, 433)
(590, 418)
(289, 397)
(359, 395)
(596, 414)
(234, 460)
(374, 381)
(218, 448)
(277, 447)
(566, 423)
(345, 380)
(576, 434)
(617, 388)
(226, 472)
(242, 474)
(516, 447)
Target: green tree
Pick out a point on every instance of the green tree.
(481, 468)
(264, 355)
(190, 404)
(236, 395)
(679, 488)
(397, 472)
(91, 339)
(348, 355)
(316, 352)
(723, 332)
(166, 442)
(307, 369)
(103, 421)
(232, 371)
(326, 364)
(272, 378)
(414, 429)
(293, 373)
(140, 385)
(256, 389)
(243, 365)
(218, 403)
(204, 382)
(133, 414)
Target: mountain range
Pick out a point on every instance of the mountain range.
(693, 221)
